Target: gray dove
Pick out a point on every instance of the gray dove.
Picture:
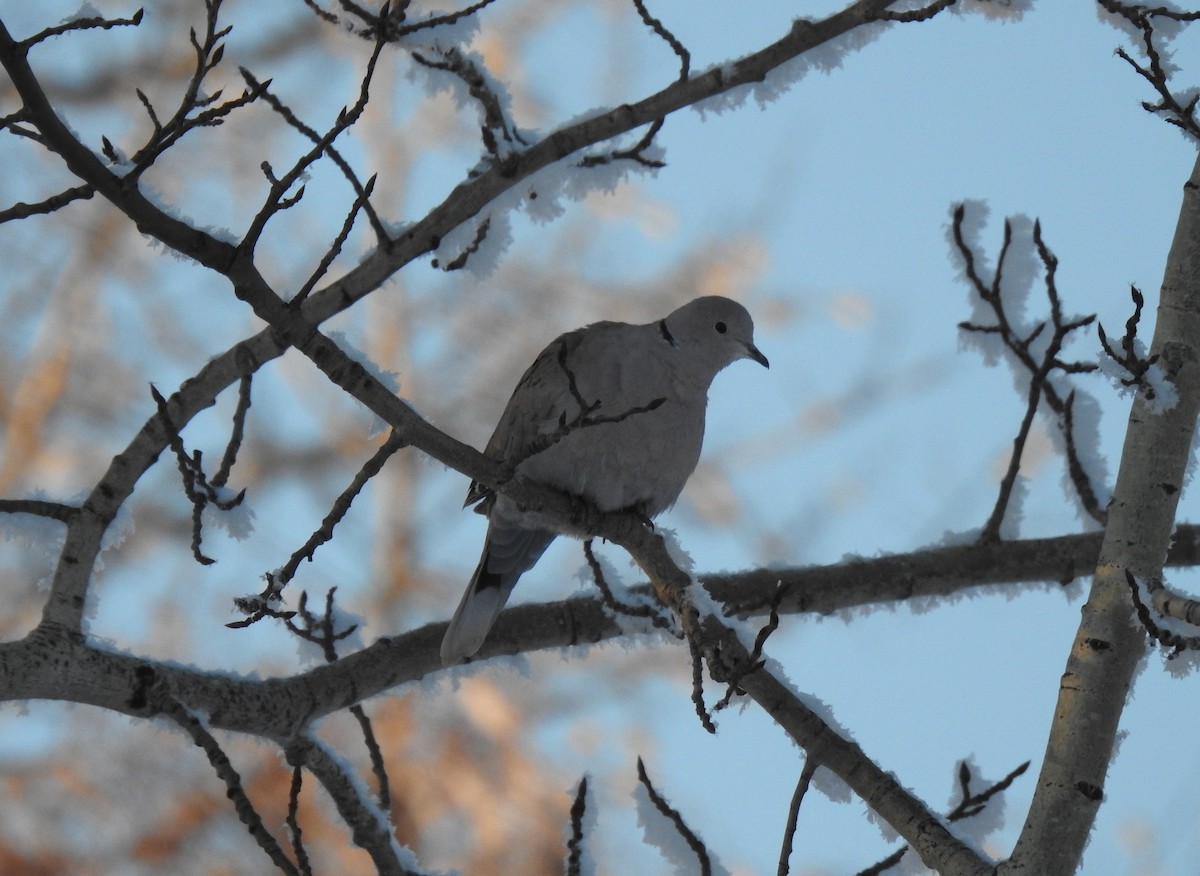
(612, 413)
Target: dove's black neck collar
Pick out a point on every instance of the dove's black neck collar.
(666, 333)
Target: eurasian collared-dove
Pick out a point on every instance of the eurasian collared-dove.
(613, 413)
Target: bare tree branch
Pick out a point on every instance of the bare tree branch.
(279, 187)
(671, 814)
(1040, 367)
(83, 542)
(40, 508)
(923, 14)
(49, 205)
(361, 190)
(88, 22)
(195, 484)
(367, 822)
(293, 822)
(789, 832)
(574, 865)
(1174, 109)
(249, 816)
(1128, 358)
(1167, 605)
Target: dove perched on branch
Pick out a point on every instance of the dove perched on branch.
(612, 413)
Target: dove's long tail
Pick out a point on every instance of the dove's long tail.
(508, 553)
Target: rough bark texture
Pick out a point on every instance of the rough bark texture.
(1109, 643)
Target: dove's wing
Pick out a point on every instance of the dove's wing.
(537, 406)
(540, 404)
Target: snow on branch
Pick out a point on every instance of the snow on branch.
(1153, 28)
(1000, 329)
(84, 20)
(1169, 618)
(500, 135)
(971, 804)
(755, 661)
(1133, 367)
(923, 13)
(667, 838)
(729, 660)
(369, 823)
(712, 643)
(645, 610)
(196, 486)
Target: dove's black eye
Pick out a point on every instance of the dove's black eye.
(721, 328)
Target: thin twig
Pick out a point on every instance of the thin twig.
(293, 822)
(694, 842)
(362, 202)
(1040, 367)
(789, 830)
(1169, 107)
(460, 261)
(362, 191)
(1187, 611)
(196, 486)
(500, 136)
(1128, 358)
(90, 22)
(387, 22)
(971, 804)
(656, 25)
(615, 605)
(375, 753)
(341, 507)
(194, 110)
(702, 711)
(247, 814)
(974, 802)
(40, 508)
(367, 822)
(755, 662)
(236, 433)
(575, 843)
(279, 187)
(22, 210)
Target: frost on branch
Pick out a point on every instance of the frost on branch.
(1132, 367)
(1152, 30)
(200, 491)
(1169, 618)
(1034, 350)
(665, 829)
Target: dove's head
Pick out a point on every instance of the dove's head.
(716, 330)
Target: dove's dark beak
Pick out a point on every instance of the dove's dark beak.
(756, 354)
